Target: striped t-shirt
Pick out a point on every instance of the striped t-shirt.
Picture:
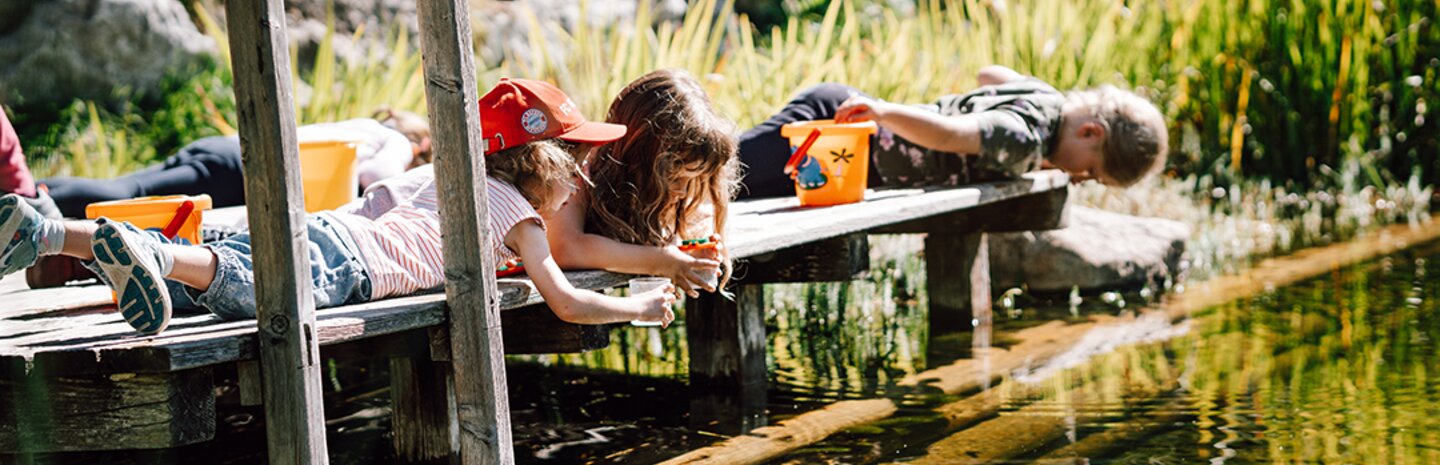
(396, 227)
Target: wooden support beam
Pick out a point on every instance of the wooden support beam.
(476, 350)
(536, 330)
(1032, 212)
(836, 259)
(289, 348)
(422, 405)
(957, 281)
(727, 338)
(106, 412)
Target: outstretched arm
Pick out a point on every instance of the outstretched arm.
(574, 249)
(957, 134)
(577, 305)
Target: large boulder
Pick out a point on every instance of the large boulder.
(1098, 250)
(58, 50)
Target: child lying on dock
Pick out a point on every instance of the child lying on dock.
(670, 178)
(1010, 125)
(387, 244)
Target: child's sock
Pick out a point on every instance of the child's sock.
(51, 237)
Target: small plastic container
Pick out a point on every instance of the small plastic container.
(837, 165)
(156, 213)
(327, 173)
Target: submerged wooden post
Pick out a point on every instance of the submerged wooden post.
(289, 350)
(958, 281)
(476, 346)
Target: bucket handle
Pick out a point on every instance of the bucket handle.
(801, 151)
(181, 214)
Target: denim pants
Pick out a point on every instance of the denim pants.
(337, 273)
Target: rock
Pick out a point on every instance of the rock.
(1098, 250)
(59, 50)
(380, 19)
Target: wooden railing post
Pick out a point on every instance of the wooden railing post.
(289, 350)
(476, 346)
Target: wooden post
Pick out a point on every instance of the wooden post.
(289, 351)
(476, 345)
(727, 338)
(957, 281)
(727, 360)
(422, 408)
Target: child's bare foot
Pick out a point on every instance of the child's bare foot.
(135, 267)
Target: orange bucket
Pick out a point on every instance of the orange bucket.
(837, 165)
(327, 173)
(157, 213)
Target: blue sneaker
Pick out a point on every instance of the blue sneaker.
(20, 232)
(131, 264)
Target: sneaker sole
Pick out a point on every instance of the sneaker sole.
(143, 299)
(10, 222)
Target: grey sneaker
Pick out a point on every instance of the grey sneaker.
(20, 234)
(131, 264)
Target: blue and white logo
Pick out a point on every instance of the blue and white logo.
(534, 121)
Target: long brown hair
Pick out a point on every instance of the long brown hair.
(679, 155)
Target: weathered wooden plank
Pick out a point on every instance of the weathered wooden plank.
(289, 356)
(422, 405)
(107, 412)
(727, 338)
(834, 259)
(536, 330)
(1031, 212)
(957, 281)
(476, 344)
(250, 381)
(775, 224)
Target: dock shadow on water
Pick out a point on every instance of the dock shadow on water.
(1333, 369)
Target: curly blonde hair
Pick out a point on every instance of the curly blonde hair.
(533, 168)
(679, 155)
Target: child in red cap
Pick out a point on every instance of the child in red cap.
(384, 244)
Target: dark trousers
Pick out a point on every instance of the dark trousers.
(207, 166)
(894, 161)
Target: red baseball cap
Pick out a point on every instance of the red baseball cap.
(518, 111)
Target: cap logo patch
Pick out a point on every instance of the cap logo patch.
(534, 121)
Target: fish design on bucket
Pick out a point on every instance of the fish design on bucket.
(811, 175)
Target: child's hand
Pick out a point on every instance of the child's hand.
(860, 109)
(690, 270)
(655, 306)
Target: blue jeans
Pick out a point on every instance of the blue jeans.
(337, 273)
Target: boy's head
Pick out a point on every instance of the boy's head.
(1112, 136)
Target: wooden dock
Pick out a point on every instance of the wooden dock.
(65, 354)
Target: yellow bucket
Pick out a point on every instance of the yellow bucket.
(836, 166)
(157, 213)
(327, 172)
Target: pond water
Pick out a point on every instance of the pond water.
(1334, 369)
